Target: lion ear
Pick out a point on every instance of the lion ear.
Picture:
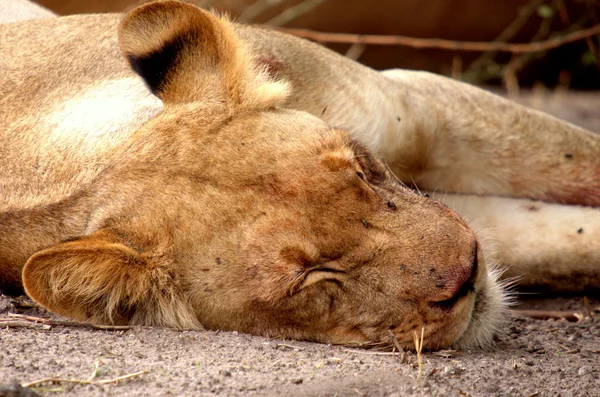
(99, 279)
(186, 54)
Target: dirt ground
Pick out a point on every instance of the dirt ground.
(532, 358)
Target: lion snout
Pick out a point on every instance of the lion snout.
(458, 280)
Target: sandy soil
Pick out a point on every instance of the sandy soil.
(533, 357)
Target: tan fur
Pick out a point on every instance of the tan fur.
(223, 210)
(216, 207)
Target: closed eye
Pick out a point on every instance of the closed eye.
(323, 274)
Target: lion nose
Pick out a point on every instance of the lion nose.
(459, 280)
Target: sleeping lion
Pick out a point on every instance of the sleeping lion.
(172, 168)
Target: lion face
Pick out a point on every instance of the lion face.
(228, 212)
(336, 250)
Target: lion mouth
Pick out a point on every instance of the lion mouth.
(463, 291)
(448, 304)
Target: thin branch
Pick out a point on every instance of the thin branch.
(398, 347)
(68, 323)
(255, 9)
(523, 15)
(550, 314)
(293, 12)
(13, 323)
(415, 42)
(120, 378)
(85, 382)
(370, 353)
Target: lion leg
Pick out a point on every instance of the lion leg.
(545, 246)
(435, 132)
(23, 10)
(467, 140)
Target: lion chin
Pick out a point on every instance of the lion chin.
(490, 313)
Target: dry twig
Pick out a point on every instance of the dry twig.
(415, 42)
(51, 322)
(551, 314)
(398, 347)
(7, 322)
(286, 346)
(370, 353)
(507, 34)
(85, 382)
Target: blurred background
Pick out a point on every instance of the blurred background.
(548, 62)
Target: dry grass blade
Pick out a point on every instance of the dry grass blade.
(419, 350)
(68, 323)
(54, 380)
(85, 382)
(292, 347)
(398, 347)
(120, 378)
(30, 318)
(551, 315)
(369, 353)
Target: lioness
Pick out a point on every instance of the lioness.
(213, 204)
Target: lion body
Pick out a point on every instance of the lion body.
(208, 204)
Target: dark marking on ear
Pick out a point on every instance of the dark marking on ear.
(568, 156)
(373, 168)
(156, 66)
